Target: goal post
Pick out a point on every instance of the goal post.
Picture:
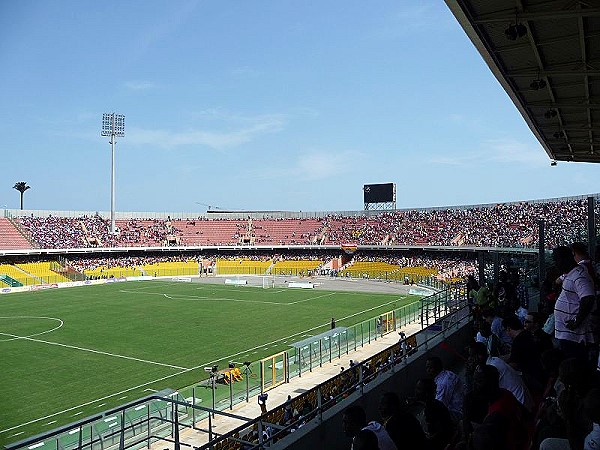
(274, 371)
(268, 282)
(386, 323)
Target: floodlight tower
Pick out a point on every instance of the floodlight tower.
(113, 125)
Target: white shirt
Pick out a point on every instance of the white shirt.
(450, 391)
(383, 438)
(512, 381)
(576, 285)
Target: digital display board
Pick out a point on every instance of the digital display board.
(379, 193)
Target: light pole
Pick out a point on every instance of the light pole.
(113, 125)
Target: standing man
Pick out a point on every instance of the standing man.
(573, 328)
(262, 401)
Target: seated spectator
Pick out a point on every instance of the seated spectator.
(491, 341)
(533, 323)
(547, 422)
(509, 378)
(355, 419)
(449, 387)
(365, 440)
(523, 355)
(591, 407)
(434, 416)
(403, 427)
(490, 435)
(501, 402)
(495, 322)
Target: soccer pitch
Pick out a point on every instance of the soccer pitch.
(70, 353)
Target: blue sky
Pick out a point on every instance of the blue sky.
(259, 105)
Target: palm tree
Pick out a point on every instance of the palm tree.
(21, 186)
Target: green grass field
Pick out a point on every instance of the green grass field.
(70, 353)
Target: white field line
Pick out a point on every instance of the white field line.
(192, 297)
(60, 324)
(189, 370)
(229, 299)
(143, 287)
(313, 298)
(97, 352)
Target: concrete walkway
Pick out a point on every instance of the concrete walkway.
(278, 395)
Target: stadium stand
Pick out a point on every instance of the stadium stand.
(171, 268)
(285, 231)
(18, 275)
(242, 266)
(11, 237)
(43, 271)
(295, 267)
(209, 232)
(506, 225)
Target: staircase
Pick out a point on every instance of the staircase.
(10, 281)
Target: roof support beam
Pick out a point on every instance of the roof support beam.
(538, 15)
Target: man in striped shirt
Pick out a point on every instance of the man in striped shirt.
(573, 329)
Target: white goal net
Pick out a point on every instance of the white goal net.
(268, 282)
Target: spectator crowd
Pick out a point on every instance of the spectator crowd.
(530, 378)
(506, 225)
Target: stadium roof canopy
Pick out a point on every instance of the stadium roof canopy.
(546, 55)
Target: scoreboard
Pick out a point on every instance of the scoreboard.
(379, 193)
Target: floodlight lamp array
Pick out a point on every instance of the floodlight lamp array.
(113, 125)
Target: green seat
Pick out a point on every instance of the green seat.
(10, 281)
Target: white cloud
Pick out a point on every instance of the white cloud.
(511, 151)
(321, 165)
(496, 151)
(214, 139)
